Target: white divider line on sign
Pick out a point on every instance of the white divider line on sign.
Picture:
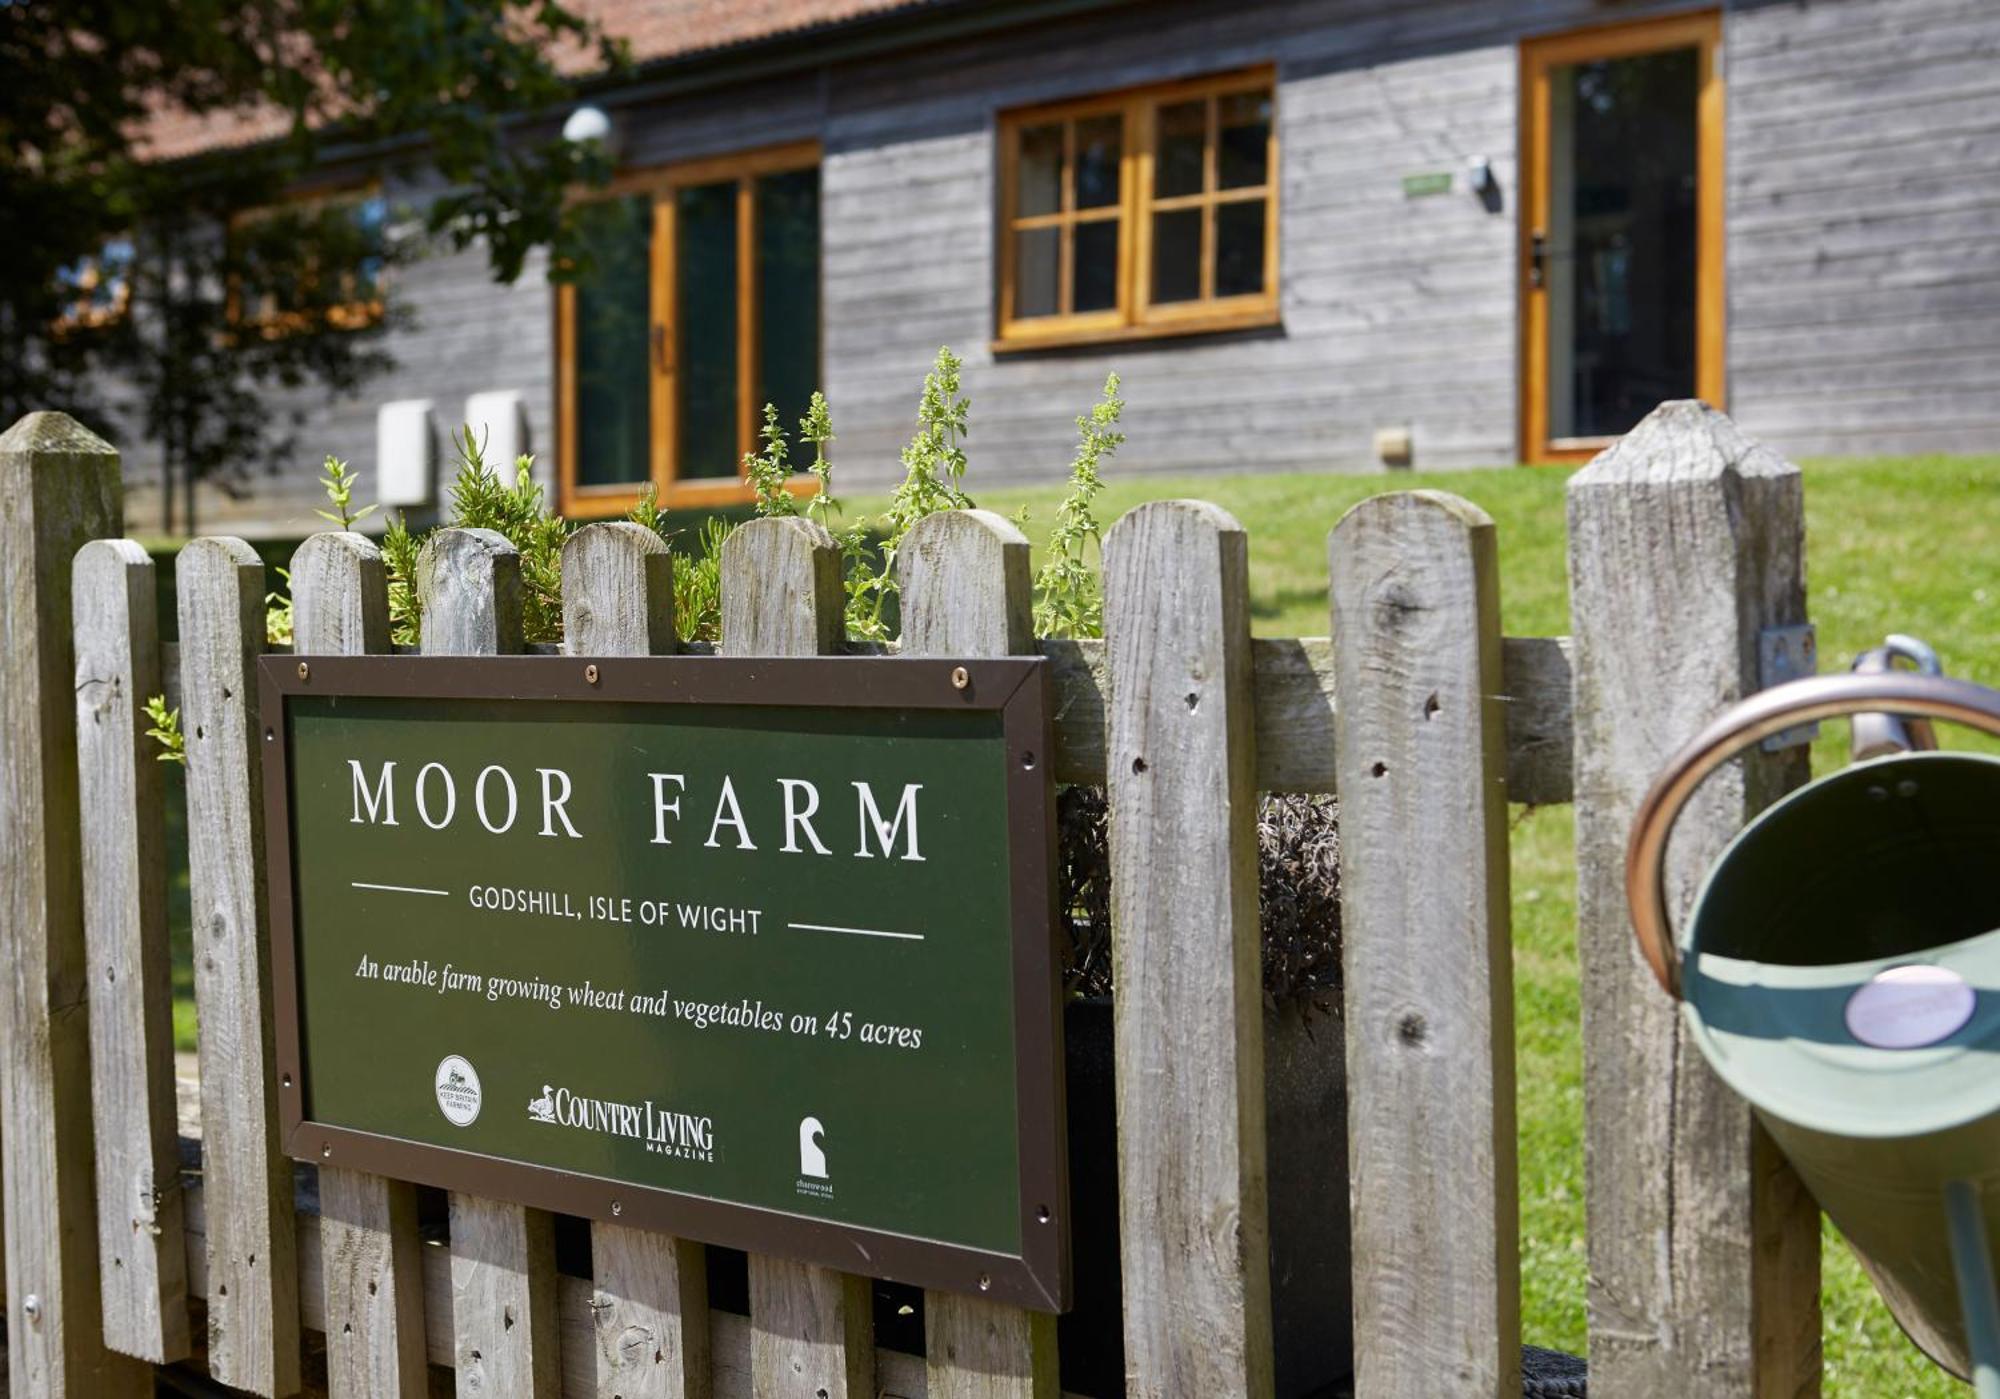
(402, 889)
(856, 932)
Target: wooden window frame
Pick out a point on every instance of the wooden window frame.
(356, 314)
(662, 184)
(1135, 315)
(1700, 30)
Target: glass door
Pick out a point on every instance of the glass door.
(1622, 230)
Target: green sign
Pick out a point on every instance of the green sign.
(1427, 183)
(756, 952)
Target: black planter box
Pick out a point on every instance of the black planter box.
(1305, 1098)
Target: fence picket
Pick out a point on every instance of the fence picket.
(1426, 960)
(253, 1303)
(503, 1265)
(966, 591)
(1188, 1013)
(370, 1257)
(123, 805)
(1686, 538)
(59, 487)
(649, 1300)
(811, 1328)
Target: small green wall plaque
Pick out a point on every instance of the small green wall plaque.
(1428, 183)
(758, 952)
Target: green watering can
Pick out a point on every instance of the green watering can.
(1841, 970)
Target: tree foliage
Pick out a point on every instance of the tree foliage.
(156, 275)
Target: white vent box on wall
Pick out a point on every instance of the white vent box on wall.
(499, 420)
(406, 454)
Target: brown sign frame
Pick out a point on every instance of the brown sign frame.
(1017, 687)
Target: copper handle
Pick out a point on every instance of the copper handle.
(1763, 714)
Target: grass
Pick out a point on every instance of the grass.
(1893, 545)
(1902, 544)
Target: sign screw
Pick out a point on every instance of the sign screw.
(305, 671)
(287, 1080)
(617, 1208)
(326, 1150)
(985, 1283)
(959, 679)
(590, 675)
(31, 1307)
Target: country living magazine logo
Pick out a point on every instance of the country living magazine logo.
(685, 1136)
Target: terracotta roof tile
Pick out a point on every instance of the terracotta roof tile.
(655, 29)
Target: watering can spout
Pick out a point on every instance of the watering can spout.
(1878, 734)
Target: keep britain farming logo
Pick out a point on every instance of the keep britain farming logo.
(684, 1136)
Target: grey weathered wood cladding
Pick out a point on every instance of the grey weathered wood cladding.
(1863, 270)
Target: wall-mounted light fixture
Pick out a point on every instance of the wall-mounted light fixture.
(1479, 176)
(588, 123)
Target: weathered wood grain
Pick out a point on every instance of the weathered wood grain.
(650, 1300)
(1426, 960)
(781, 593)
(503, 1265)
(370, 1262)
(59, 488)
(123, 807)
(476, 575)
(371, 1278)
(1685, 539)
(966, 591)
(253, 1340)
(625, 603)
(1293, 702)
(810, 1327)
(1189, 1016)
(811, 1332)
(899, 1376)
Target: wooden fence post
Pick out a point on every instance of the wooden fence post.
(1420, 754)
(59, 487)
(1189, 1013)
(966, 591)
(253, 1291)
(140, 1222)
(811, 1328)
(371, 1261)
(649, 1297)
(1686, 539)
(503, 1256)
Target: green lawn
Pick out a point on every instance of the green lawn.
(1898, 545)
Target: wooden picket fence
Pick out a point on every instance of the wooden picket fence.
(1686, 541)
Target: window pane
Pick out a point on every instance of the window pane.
(1096, 269)
(1039, 174)
(705, 362)
(1245, 121)
(1036, 253)
(1177, 255)
(613, 322)
(1177, 158)
(788, 293)
(370, 217)
(1099, 143)
(1239, 248)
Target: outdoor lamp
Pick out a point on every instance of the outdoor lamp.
(1840, 969)
(588, 123)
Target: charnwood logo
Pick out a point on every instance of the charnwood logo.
(685, 1136)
